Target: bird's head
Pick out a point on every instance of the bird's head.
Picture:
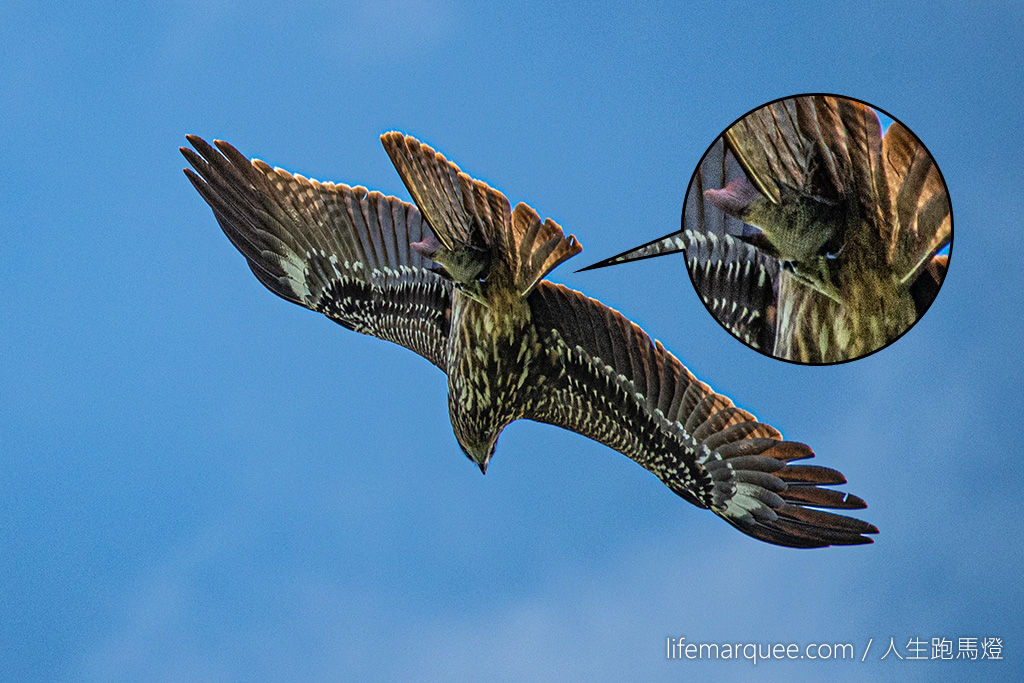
(480, 453)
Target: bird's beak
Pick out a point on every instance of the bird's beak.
(480, 462)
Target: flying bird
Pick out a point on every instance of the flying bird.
(459, 278)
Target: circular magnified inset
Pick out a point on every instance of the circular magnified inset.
(817, 229)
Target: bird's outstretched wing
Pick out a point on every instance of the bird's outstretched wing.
(606, 379)
(343, 251)
(736, 281)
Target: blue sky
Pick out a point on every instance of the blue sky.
(203, 482)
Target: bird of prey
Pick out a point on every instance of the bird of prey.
(821, 238)
(458, 278)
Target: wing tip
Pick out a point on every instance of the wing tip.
(800, 514)
(803, 524)
(828, 530)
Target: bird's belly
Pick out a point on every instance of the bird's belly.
(489, 366)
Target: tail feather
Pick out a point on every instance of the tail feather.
(541, 247)
(439, 188)
(463, 212)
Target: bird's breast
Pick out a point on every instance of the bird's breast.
(491, 351)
